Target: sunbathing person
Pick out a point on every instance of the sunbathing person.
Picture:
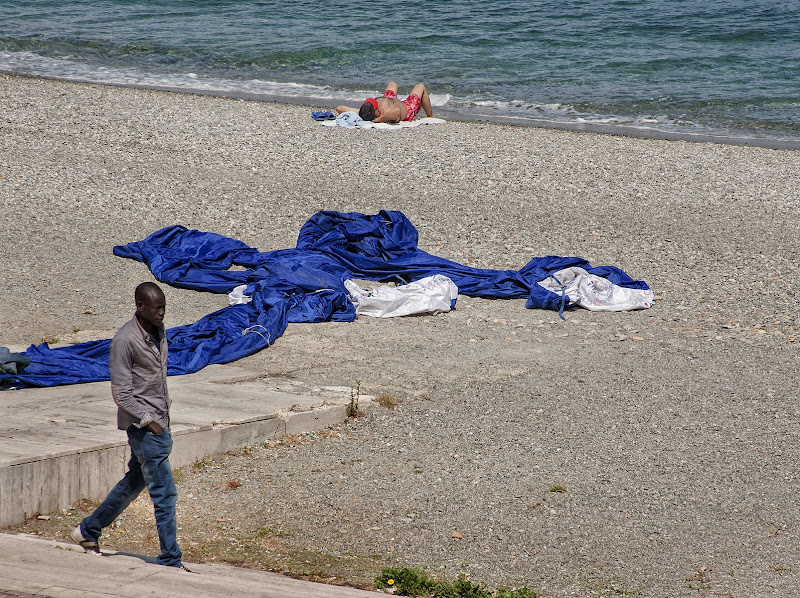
(388, 109)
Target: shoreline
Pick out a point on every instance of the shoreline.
(443, 112)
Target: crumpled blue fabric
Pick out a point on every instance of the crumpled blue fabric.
(304, 284)
(349, 120)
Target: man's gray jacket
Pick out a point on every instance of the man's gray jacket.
(138, 365)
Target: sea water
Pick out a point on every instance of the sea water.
(727, 68)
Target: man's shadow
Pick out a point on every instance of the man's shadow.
(147, 559)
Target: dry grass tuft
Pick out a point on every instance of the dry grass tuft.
(388, 401)
(231, 485)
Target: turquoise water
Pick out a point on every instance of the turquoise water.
(707, 67)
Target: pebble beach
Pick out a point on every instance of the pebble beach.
(649, 453)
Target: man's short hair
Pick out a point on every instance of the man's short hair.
(367, 111)
(147, 290)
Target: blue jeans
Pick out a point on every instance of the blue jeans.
(149, 466)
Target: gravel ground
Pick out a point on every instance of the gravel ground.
(652, 453)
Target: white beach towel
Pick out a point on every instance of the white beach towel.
(351, 120)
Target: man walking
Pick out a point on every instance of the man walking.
(138, 365)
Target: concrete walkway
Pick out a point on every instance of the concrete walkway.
(60, 445)
(43, 568)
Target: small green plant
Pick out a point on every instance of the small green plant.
(200, 465)
(405, 582)
(415, 582)
(352, 408)
(263, 532)
(557, 489)
(700, 581)
(522, 592)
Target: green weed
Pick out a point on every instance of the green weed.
(415, 582)
(353, 409)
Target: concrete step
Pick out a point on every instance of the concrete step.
(60, 445)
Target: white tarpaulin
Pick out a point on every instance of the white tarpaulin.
(432, 294)
(595, 292)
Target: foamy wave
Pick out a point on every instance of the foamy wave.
(562, 113)
(440, 99)
(29, 63)
(528, 110)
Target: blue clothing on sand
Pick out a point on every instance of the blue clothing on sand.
(349, 120)
(148, 467)
(303, 284)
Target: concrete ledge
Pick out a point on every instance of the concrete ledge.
(66, 446)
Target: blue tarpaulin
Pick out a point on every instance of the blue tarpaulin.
(304, 284)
